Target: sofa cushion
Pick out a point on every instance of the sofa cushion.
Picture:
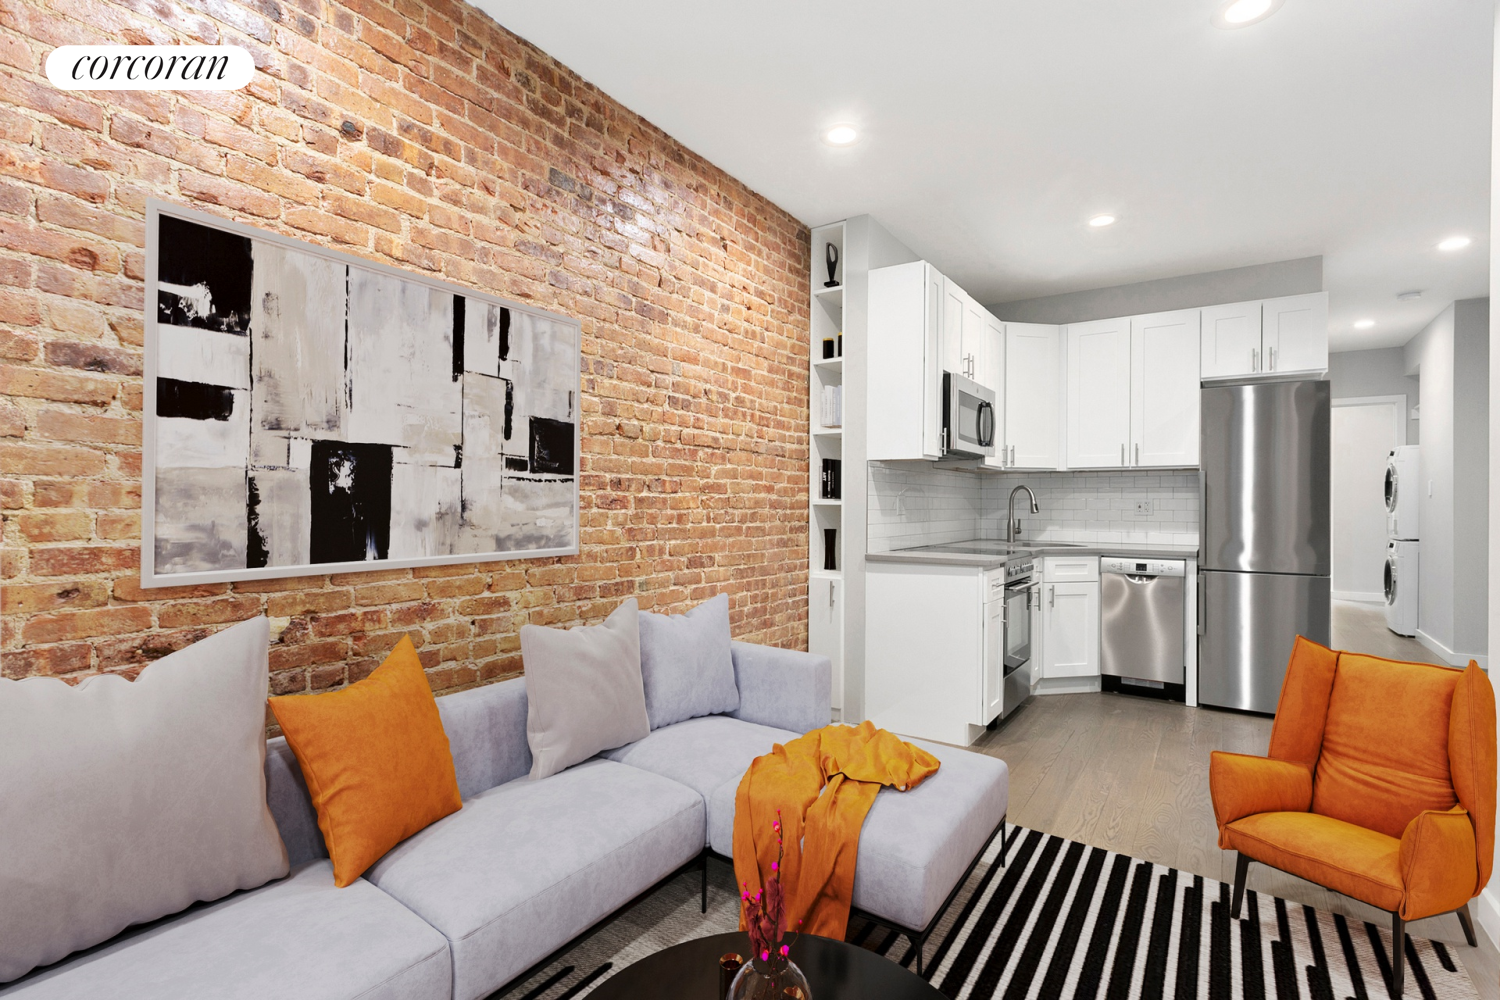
(702, 753)
(527, 866)
(583, 690)
(915, 845)
(375, 758)
(299, 937)
(123, 801)
(686, 664)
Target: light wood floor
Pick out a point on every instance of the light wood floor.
(1131, 775)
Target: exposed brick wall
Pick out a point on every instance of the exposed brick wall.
(420, 133)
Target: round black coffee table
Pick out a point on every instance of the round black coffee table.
(834, 969)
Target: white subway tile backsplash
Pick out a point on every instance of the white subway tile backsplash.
(914, 504)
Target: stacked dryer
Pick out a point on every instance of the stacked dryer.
(1402, 491)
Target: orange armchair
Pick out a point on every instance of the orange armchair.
(1379, 783)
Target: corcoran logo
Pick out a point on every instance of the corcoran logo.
(150, 67)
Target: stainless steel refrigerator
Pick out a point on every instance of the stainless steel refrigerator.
(1263, 555)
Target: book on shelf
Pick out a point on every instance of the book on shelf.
(832, 484)
(832, 406)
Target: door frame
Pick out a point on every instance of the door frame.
(1402, 416)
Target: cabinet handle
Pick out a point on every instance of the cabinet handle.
(830, 593)
(1012, 454)
(1051, 597)
(1254, 359)
(1137, 453)
(1273, 359)
(1122, 453)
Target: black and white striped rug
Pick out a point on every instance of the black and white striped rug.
(1064, 921)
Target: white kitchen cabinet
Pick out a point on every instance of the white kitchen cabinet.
(992, 688)
(1099, 394)
(825, 626)
(905, 364)
(1294, 334)
(954, 301)
(1031, 395)
(1231, 340)
(1165, 392)
(994, 378)
(1283, 336)
(1070, 628)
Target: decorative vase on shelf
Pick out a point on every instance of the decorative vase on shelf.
(831, 258)
(830, 548)
(775, 979)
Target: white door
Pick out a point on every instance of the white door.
(954, 301)
(992, 695)
(994, 378)
(1070, 622)
(825, 627)
(1031, 395)
(1098, 394)
(1294, 333)
(1164, 389)
(1364, 432)
(1231, 340)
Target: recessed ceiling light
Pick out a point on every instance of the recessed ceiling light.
(1363, 324)
(1411, 296)
(840, 135)
(1454, 243)
(1239, 13)
(1099, 221)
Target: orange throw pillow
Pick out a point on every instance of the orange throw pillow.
(375, 758)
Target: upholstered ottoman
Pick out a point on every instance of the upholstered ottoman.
(915, 847)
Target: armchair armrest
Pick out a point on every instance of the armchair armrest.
(784, 688)
(1439, 863)
(1242, 785)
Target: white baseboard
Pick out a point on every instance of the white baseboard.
(1066, 685)
(1448, 656)
(1358, 596)
(1487, 909)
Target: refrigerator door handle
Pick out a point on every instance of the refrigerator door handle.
(1200, 604)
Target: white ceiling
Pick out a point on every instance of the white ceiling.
(990, 131)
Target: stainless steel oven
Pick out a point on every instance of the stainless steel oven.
(968, 417)
(1016, 642)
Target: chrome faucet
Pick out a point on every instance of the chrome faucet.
(1012, 523)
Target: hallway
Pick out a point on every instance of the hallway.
(1360, 628)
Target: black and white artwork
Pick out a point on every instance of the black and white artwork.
(307, 411)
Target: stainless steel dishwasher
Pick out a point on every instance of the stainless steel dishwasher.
(1143, 608)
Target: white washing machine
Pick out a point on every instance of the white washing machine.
(1403, 474)
(1401, 587)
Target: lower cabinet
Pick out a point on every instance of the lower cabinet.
(1070, 617)
(825, 627)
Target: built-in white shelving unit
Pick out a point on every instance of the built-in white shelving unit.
(825, 619)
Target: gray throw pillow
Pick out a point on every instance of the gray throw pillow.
(583, 690)
(123, 801)
(686, 663)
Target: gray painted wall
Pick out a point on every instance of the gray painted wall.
(1239, 284)
(1376, 373)
(1451, 355)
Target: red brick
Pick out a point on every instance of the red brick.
(85, 624)
(38, 460)
(65, 425)
(308, 602)
(75, 559)
(46, 661)
(22, 599)
(216, 612)
(55, 526)
(64, 388)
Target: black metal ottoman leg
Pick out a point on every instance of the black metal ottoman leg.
(703, 865)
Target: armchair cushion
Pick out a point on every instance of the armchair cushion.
(1302, 710)
(1437, 863)
(1242, 786)
(1385, 746)
(1342, 856)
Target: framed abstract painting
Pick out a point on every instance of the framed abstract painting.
(308, 412)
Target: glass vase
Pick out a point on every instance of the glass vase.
(774, 979)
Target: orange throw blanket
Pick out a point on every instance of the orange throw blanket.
(822, 784)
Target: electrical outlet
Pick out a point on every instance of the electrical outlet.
(1143, 508)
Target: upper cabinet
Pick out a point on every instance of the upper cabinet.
(905, 374)
(1098, 393)
(994, 377)
(1133, 392)
(1031, 396)
(1285, 336)
(1164, 390)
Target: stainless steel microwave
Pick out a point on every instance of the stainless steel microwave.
(968, 417)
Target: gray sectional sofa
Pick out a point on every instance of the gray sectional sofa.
(468, 904)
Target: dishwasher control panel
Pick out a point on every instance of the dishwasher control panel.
(1144, 567)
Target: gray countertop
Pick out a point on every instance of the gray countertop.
(948, 555)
